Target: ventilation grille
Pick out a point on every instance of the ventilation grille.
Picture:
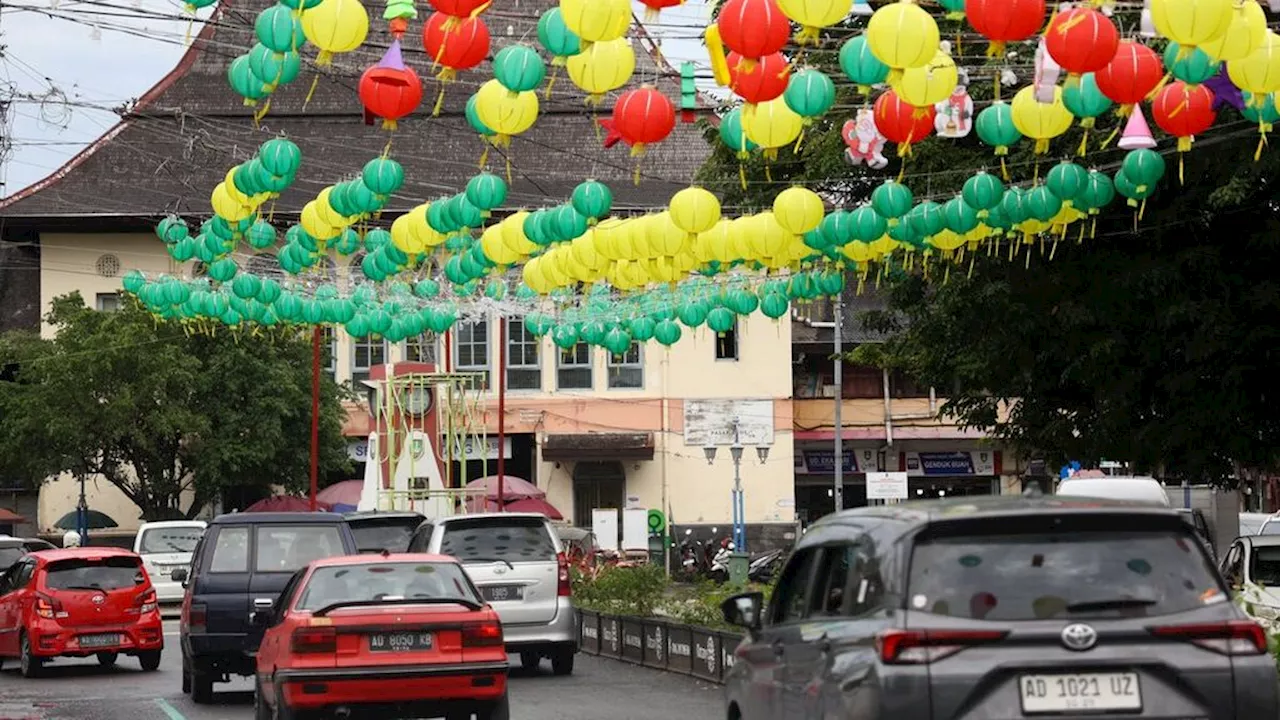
(108, 266)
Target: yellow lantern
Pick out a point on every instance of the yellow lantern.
(1191, 23)
(586, 252)
(798, 210)
(928, 84)
(327, 214)
(813, 15)
(534, 277)
(663, 237)
(421, 229)
(902, 35)
(857, 251)
(226, 206)
(1259, 73)
(513, 234)
(315, 227)
(505, 113)
(694, 210)
(496, 250)
(597, 20)
(335, 26)
(602, 67)
(771, 125)
(402, 237)
(1245, 34)
(1040, 121)
(716, 244)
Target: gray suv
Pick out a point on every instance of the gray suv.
(995, 609)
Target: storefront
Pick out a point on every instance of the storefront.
(815, 473)
(951, 473)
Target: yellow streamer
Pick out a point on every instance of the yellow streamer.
(257, 116)
(314, 83)
(435, 112)
(551, 82)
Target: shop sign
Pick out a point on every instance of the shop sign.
(486, 448)
(358, 450)
(708, 423)
(963, 462)
(823, 462)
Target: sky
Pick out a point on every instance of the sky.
(71, 61)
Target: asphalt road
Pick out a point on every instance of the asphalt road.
(599, 689)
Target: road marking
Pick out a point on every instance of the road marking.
(169, 710)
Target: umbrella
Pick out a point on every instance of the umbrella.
(95, 520)
(513, 488)
(346, 492)
(286, 503)
(9, 516)
(535, 506)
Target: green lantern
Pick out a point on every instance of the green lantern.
(592, 333)
(721, 320)
(134, 281)
(891, 200)
(570, 223)
(519, 68)
(246, 286)
(926, 218)
(734, 136)
(565, 336)
(261, 235)
(860, 65)
(556, 37)
(280, 29)
(774, 305)
(300, 5)
(280, 157)
(383, 176)
(1041, 204)
(834, 229)
(1192, 67)
(810, 93)
(954, 8)
(473, 118)
(1131, 190)
(487, 192)
(867, 225)
(223, 270)
(982, 192)
(274, 68)
(617, 341)
(1085, 100)
(269, 292)
(642, 329)
(173, 230)
(495, 289)
(248, 177)
(667, 333)
(244, 82)
(467, 215)
(1264, 114)
(960, 217)
(426, 288)
(184, 250)
(1066, 180)
(348, 242)
(1145, 168)
(593, 200)
(1013, 205)
(995, 127)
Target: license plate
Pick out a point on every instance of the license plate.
(102, 640)
(1086, 691)
(501, 593)
(400, 642)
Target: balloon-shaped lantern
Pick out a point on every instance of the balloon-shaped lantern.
(653, 8)
(335, 26)
(761, 80)
(1131, 75)
(901, 122)
(1039, 121)
(390, 90)
(1183, 111)
(1004, 21)
(506, 114)
(1244, 35)
(1191, 23)
(860, 65)
(597, 20)
(602, 67)
(1081, 40)
(813, 15)
(753, 29)
(771, 125)
(902, 35)
(1259, 73)
(641, 117)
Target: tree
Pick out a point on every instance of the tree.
(1150, 342)
(159, 409)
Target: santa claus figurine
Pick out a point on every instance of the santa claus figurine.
(866, 144)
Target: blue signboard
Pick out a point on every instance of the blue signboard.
(946, 463)
(824, 461)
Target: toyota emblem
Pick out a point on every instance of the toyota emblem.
(99, 599)
(1079, 637)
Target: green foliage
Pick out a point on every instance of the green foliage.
(634, 590)
(158, 411)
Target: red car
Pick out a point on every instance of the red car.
(79, 602)
(386, 635)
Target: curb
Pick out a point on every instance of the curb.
(654, 643)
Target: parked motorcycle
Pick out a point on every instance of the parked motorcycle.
(763, 566)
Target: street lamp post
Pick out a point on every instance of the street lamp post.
(82, 515)
(739, 505)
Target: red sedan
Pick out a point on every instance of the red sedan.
(385, 635)
(79, 602)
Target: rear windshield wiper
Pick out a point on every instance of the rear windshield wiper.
(465, 602)
(83, 587)
(489, 560)
(1112, 604)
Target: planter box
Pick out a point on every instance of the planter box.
(632, 640)
(728, 644)
(680, 649)
(611, 636)
(707, 657)
(655, 644)
(589, 631)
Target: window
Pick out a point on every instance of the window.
(329, 345)
(471, 349)
(524, 372)
(626, 371)
(111, 573)
(832, 582)
(373, 583)
(286, 548)
(902, 385)
(727, 343)
(231, 553)
(1266, 566)
(790, 598)
(574, 371)
(421, 348)
(366, 352)
(170, 540)
(498, 539)
(108, 302)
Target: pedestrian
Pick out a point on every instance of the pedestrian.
(71, 539)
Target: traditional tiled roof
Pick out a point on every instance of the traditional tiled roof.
(805, 331)
(181, 138)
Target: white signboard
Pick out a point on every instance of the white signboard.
(486, 448)
(710, 422)
(635, 529)
(604, 523)
(886, 486)
(358, 450)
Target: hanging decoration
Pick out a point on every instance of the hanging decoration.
(398, 13)
(902, 36)
(390, 90)
(814, 15)
(1137, 134)
(454, 44)
(1004, 21)
(1081, 40)
(1131, 76)
(604, 66)
(901, 122)
(864, 142)
(954, 115)
(1040, 121)
(760, 81)
(641, 118)
(1183, 111)
(335, 26)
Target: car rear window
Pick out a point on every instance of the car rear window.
(1038, 576)
(289, 548)
(385, 581)
(170, 539)
(83, 574)
(1266, 566)
(511, 539)
(390, 534)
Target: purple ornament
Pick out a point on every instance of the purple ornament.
(1224, 91)
(392, 58)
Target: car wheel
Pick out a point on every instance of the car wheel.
(149, 660)
(201, 688)
(186, 676)
(500, 710)
(108, 659)
(30, 664)
(261, 711)
(530, 660)
(562, 661)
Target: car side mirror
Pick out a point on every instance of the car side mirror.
(179, 575)
(744, 610)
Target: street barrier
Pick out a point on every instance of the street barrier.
(700, 652)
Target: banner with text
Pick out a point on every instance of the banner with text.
(960, 462)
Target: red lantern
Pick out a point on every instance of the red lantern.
(655, 7)
(1081, 40)
(454, 42)
(1004, 21)
(640, 117)
(765, 80)
(1130, 76)
(461, 8)
(753, 28)
(1183, 111)
(901, 122)
(390, 90)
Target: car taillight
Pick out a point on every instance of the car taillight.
(563, 586)
(485, 634)
(195, 615)
(920, 647)
(315, 640)
(1236, 637)
(146, 602)
(49, 607)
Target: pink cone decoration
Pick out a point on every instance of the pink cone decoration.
(1137, 134)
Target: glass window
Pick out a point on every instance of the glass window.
(112, 573)
(574, 368)
(524, 371)
(329, 346)
(374, 534)
(832, 581)
(231, 553)
(421, 348)
(626, 371)
(10, 554)
(286, 548)
(1266, 565)
(790, 598)
(365, 353)
(489, 539)
(727, 343)
(471, 348)
(108, 302)
(385, 581)
(1048, 575)
(170, 539)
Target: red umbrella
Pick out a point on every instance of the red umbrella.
(513, 488)
(285, 503)
(535, 506)
(346, 492)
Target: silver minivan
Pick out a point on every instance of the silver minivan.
(518, 564)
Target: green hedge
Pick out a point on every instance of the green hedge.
(645, 591)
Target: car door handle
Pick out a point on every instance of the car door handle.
(263, 603)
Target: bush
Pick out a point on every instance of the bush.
(621, 590)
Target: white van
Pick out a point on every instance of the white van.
(1135, 489)
(165, 547)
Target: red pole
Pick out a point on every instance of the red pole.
(315, 414)
(502, 413)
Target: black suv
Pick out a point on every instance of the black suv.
(240, 567)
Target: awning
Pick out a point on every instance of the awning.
(9, 516)
(598, 446)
